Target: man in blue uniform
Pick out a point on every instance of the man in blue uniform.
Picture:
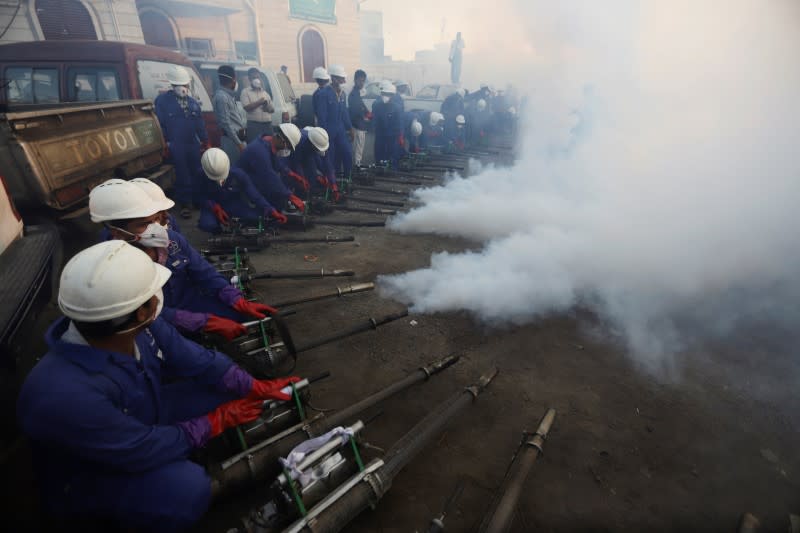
(110, 440)
(231, 193)
(330, 108)
(261, 160)
(196, 297)
(184, 131)
(388, 121)
(308, 163)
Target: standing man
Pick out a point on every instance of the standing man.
(258, 104)
(184, 131)
(388, 126)
(456, 55)
(343, 134)
(359, 116)
(231, 116)
(285, 71)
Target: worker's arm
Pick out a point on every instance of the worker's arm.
(161, 114)
(250, 191)
(248, 102)
(199, 123)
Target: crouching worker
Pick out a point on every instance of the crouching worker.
(231, 193)
(308, 165)
(110, 441)
(196, 297)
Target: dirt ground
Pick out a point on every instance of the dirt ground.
(627, 452)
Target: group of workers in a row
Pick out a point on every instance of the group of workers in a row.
(285, 164)
(124, 395)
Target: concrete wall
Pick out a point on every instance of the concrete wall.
(280, 36)
(115, 20)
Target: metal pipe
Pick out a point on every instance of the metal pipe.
(357, 223)
(225, 244)
(365, 489)
(418, 376)
(298, 274)
(261, 461)
(381, 190)
(371, 210)
(372, 323)
(340, 291)
(501, 518)
(402, 181)
(375, 201)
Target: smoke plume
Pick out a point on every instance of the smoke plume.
(657, 185)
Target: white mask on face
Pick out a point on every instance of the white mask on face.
(154, 236)
(385, 99)
(256, 83)
(362, 92)
(181, 91)
(284, 153)
(160, 306)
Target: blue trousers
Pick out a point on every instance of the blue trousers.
(190, 185)
(342, 153)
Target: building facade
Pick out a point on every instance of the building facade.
(301, 34)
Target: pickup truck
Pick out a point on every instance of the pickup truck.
(429, 98)
(52, 157)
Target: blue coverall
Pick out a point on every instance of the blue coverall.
(452, 106)
(237, 196)
(306, 161)
(183, 131)
(263, 166)
(388, 122)
(332, 115)
(195, 285)
(103, 427)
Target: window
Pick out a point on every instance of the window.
(200, 47)
(428, 92)
(87, 84)
(153, 81)
(26, 85)
(246, 50)
(65, 19)
(312, 49)
(157, 29)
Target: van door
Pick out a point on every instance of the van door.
(153, 81)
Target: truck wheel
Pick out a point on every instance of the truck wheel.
(305, 112)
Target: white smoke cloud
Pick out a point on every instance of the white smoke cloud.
(658, 183)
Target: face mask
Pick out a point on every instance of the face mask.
(154, 236)
(159, 306)
(256, 83)
(362, 92)
(181, 91)
(385, 99)
(162, 256)
(284, 153)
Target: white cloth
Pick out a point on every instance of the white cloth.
(300, 452)
(359, 140)
(250, 95)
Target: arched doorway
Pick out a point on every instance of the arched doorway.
(312, 52)
(157, 29)
(64, 20)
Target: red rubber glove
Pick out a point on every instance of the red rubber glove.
(297, 202)
(235, 413)
(253, 309)
(280, 217)
(270, 389)
(335, 191)
(322, 180)
(300, 179)
(220, 214)
(401, 141)
(224, 326)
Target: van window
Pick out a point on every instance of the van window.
(428, 92)
(153, 81)
(27, 85)
(90, 84)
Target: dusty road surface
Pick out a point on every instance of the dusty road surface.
(628, 451)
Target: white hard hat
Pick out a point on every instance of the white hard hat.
(481, 104)
(461, 92)
(177, 75)
(337, 70)
(436, 118)
(460, 119)
(416, 128)
(155, 193)
(109, 280)
(118, 199)
(484, 85)
(512, 110)
(388, 87)
(319, 138)
(216, 164)
(291, 132)
(320, 74)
